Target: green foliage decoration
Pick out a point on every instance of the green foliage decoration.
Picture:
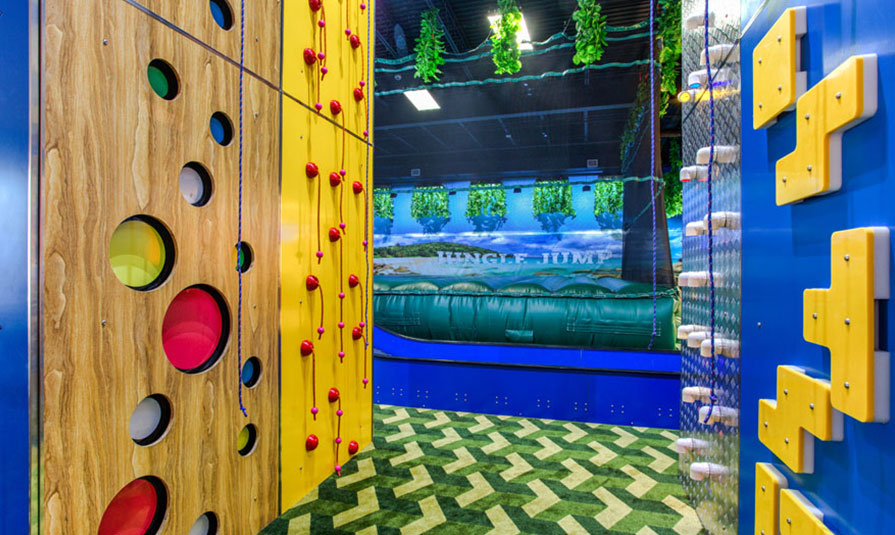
(608, 197)
(669, 31)
(590, 36)
(383, 204)
(429, 201)
(552, 197)
(633, 126)
(673, 188)
(429, 47)
(486, 199)
(504, 48)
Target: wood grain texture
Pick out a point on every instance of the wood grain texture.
(113, 149)
(307, 137)
(262, 30)
(347, 65)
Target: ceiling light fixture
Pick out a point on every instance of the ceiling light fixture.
(422, 100)
(522, 37)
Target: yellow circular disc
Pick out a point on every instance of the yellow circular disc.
(243, 440)
(137, 253)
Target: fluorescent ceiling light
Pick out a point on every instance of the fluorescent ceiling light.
(422, 100)
(522, 37)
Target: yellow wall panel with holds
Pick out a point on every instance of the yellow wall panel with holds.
(316, 198)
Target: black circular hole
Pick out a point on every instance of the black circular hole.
(141, 252)
(221, 128)
(245, 256)
(247, 440)
(206, 524)
(251, 372)
(150, 420)
(163, 79)
(195, 184)
(222, 14)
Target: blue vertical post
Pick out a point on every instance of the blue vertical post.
(19, 79)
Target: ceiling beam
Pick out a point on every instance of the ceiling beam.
(479, 118)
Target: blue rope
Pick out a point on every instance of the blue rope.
(652, 153)
(239, 253)
(708, 66)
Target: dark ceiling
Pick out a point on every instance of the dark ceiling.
(543, 127)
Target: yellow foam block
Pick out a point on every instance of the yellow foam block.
(845, 98)
(799, 517)
(778, 79)
(843, 318)
(768, 482)
(802, 409)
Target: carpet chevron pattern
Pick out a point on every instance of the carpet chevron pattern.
(448, 473)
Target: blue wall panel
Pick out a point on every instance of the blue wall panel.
(612, 387)
(14, 184)
(787, 249)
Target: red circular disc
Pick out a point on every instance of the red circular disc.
(195, 329)
(137, 509)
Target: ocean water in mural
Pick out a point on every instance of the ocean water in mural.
(521, 230)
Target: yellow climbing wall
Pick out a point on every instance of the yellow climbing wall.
(313, 206)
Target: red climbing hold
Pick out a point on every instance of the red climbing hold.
(334, 107)
(334, 234)
(353, 446)
(355, 41)
(311, 170)
(315, 5)
(357, 187)
(307, 347)
(358, 94)
(311, 442)
(334, 179)
(333, 395)
(353, 280)
(310, 56)
(312, 283)
(357, 333)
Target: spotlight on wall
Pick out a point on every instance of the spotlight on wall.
(422, 100)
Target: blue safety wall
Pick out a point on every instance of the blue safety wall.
(612, 387)
(14, 121)
(787, 249)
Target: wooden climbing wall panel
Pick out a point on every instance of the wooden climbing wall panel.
(114, 149)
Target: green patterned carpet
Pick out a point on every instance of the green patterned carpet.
(440, 473)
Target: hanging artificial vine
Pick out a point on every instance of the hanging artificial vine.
(673, 187)
(552, 197)
(429, 201)
(608, 197)
(590, 37)
(383, 203)
(429, 47)
(669, 30)
(504, 47)
(486, 199)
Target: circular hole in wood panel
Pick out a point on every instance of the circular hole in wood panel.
(221, 128)
(207, 524)
(245, 256)
(163, 79)
(138, 509)
(222, 14)
(251, 372)
(247, 440)
(195, 184)
(195, 329)
(150, 420)
(141, 252)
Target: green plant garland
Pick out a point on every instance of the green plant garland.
(673, 188)
(504, 48)
(669, 30)
(608, 197)
(383, 203)
(429, 47)
(590, 36)
(551, 197)
(429, 201)
(486, 199)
